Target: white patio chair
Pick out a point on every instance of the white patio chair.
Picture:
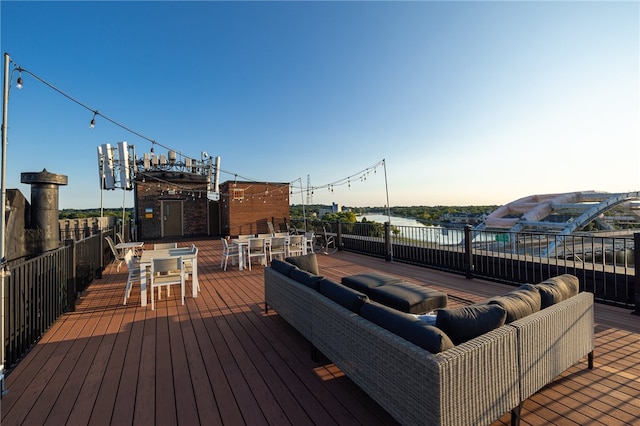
(228, 251)
(118, 255)
(296, 245)
(309, 236)
(134, 273)
(257, 249)
(277, 247)
(166, 272)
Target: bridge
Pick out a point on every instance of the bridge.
(567, 213)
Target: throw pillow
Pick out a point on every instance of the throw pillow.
(557, 289)
(307, 262)
(407, 326)
(467, 322)
(342, 295)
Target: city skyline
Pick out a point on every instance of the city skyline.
(468, 103)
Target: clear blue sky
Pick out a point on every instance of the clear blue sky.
(469, 102)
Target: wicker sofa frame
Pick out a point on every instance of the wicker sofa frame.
(472, 384)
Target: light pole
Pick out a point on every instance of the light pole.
(3, 203)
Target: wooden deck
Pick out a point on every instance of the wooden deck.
(221, 360)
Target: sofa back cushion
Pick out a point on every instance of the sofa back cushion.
(467, 322)
(307, 262)
(557, 289)
(520, 302)
(284, 268)
(342, 295)
(304, 277)
(407, 326)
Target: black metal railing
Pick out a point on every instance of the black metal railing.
(604, 265)
(39, 290)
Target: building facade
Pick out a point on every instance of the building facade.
(251, 207)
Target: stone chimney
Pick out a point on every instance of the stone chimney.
(44, 206)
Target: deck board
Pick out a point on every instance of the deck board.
(221, 359)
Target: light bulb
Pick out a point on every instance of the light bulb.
(19, 83)
(93, 123)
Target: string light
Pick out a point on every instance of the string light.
(19, 81)
(19, 85)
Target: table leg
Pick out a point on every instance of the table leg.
(194, 278)
(143, 284)
(240, 257)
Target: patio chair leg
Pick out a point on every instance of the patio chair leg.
(266, 308)
(590, 360)
(516, 415)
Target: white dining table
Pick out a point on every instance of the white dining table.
(136, 246)
(145, 262)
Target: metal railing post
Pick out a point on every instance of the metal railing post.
(636, 259)
(468, 252)
(72, 279)
(387, 242)
(339, 235)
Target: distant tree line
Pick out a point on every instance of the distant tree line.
(81, 214)
(428, 215)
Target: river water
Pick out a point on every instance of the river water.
(418, 231)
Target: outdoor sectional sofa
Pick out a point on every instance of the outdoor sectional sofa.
(495, 364)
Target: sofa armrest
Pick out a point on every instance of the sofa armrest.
(290, 299)
(553, 339)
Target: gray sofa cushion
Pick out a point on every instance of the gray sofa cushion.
(307, 262)
(342, 295)
(520, 302)
(467, 322)
(557, 289)
(409, 297)
(284, 268)
(365, 282)
(304, 277)
(407, 326)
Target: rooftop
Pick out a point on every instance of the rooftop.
(221, 360)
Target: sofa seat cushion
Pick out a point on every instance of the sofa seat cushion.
(407, 326)
(557, 289)
(467, 322)
(408, 297)
(343, 295)
(305, 278)
(365, 282)
(307, 262)
(520, 302)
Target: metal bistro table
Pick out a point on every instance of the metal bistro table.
(149, 255)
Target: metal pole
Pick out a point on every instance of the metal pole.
(304, 214)
(386, 188)
(3, 202)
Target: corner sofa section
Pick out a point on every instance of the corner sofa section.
(472, 383)
(412, 384)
